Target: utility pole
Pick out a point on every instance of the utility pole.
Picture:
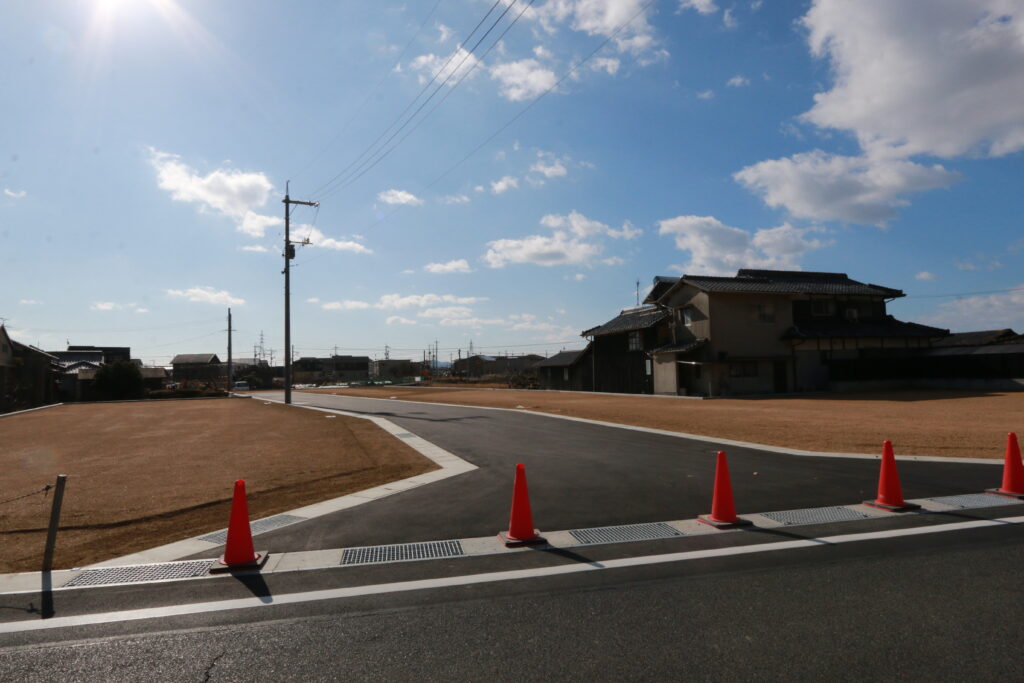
(289, 254)
(231, 367)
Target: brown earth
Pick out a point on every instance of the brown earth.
(936, 423)
(145, 474)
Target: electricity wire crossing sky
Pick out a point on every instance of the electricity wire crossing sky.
(500, 172)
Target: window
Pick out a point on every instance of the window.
(635, 342)
(565, 374)
(821, 308)
(763, 313)
(686, 315)
(747, 368)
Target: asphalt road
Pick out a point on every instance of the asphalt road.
(583, 475)
(938, 605)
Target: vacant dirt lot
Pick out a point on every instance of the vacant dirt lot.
(145, 474)
(952, 424)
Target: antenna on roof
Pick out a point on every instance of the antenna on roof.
(638, 291)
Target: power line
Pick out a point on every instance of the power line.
(347, 182)
(369, 95)
(956, 294)
(573, 69)
(318, 191)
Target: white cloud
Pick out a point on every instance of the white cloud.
(444, 32)
(579, 277)
(608, 64)
(142, 310)
(572, 242)
(613, 261)
(706, 95)
(756, 5)
(399, 320)
(994, 311)
(924, 275)
(255, 247)
(738, 81)
(504, 184)
(606, 18)
(729, 19)
(541, 52)
(229, 192)
(347, 305)
(719, 249)
(979, 263)
(938, 77)
(523, 80)
(20, 194)
(456, 266)
(313, 300)
(399, 197)
(549, 166)
(318, 239)
(398, 302)
(105, 306)
(702, 6)
(821, 186)
(30, 302)
(581, 226)
(455, 199)
(470, 322)
(447, 312)
(452, 69)
(559, 249)
(207, 295)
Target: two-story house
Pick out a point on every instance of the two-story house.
(770, 331)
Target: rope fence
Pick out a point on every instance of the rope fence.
(33, 493)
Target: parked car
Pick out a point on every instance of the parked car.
(240, 386)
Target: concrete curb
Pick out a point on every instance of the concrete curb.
(31, 410)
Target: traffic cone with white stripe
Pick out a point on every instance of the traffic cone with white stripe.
(1013, 471)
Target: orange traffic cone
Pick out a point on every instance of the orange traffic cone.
(890, 495)
(1013, 471)
(520, 521)
(239, 552)
(723, 510)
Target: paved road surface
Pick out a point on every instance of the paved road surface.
(939, 605)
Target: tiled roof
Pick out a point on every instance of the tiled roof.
(189, 358)
(639, 318)
(989, 350)
(788, 282)
(979, 338)
(685, 347)
(561, 359)
(662, 283)
(889, 327)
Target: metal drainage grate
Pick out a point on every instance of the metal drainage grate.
(376, 554)
(140, 573)
(258, 527)
(975, 500)
(625, 533)
(815, 515)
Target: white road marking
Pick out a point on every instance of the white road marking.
(490, 577)
(698, 437)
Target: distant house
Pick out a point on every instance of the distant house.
(395, 368)
(481, 365)
(28, 376)
(111, 354)
(309, 370)
(773, 331)
(622, 348)
(566, 371)
(199, 367)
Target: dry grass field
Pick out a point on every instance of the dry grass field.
(937, 423)
(145, 474)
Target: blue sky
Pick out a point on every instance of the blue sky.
(146, 145)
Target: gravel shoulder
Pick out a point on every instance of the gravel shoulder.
(144, 474)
